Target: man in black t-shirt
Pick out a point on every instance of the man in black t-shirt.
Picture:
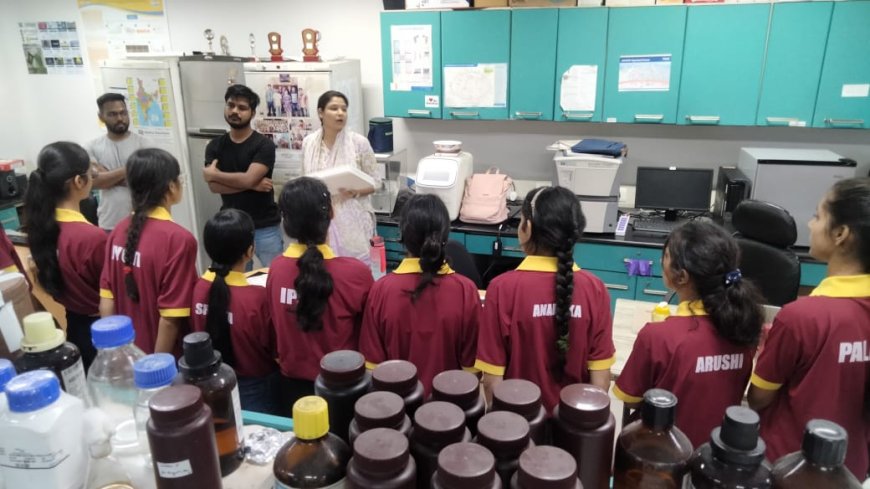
(238, 166)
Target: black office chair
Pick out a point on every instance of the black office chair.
(765, 232)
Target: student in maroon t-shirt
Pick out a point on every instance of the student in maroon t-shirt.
(233, 312)
(816, 360)
(423, 312)
(704, 353)
(547, 321)
(68, 250)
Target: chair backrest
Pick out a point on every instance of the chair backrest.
(765, 231)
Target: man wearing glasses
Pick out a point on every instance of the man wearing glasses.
(109, 154)
(238, 166)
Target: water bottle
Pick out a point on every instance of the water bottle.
(110, 378)
(378, 255)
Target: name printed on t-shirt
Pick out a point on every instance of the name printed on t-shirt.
(854, 351)
(718, 363)
(549, 310)
(119, 254)
(288, 296)
(202, 310)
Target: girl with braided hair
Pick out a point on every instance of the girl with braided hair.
(233, 312)
(704, 353)
(547, 321)
(315, 298)
(423, 312)
(150, 266)
(68, 250)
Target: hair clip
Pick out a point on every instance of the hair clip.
(535, 199)
(733, 277)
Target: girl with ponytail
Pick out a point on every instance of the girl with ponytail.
(704, 353)
(547, 321)
(233, 312)
(423, 312)
(315, 298)
(150, 265)
(816, 360)
(67, 250)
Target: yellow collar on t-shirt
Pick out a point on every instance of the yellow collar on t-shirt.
(68, 215)
(296, 250)
(844, 286)
(412, 265)
(535, 263)
(236, 279)
(691, 308)
(160, 213)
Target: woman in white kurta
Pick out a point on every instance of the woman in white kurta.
(334, 145)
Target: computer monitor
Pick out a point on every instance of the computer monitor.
(673, 189)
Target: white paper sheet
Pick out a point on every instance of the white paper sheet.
(579, 84)
(855, 90)
(645, 73)
(480, 85)
(411, 47)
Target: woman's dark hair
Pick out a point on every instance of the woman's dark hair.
(328, 95)
(848, 203)
(425, 226)
(57, 164)
(149, 173)
(227, 237)
(557, 223)
(305, 206)
(710, 256)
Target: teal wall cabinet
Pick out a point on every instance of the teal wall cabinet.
(582, 43)
(411, 64)
(533, 63)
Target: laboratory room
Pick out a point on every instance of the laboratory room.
(440, 244)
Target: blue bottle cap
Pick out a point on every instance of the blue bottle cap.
(32, 390)
(155, 370)
(112, 331)
(7, 372)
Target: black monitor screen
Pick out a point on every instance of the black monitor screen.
(672, 188)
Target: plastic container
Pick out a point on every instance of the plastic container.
(652, 452)
(342, 381)
(463, 389)
(524, 398)
(7, 373)
(314, 458)
(546, 468)
(381, 459)
(506, 436)
(41, 434)
(436, 425)
(400, 376)
(466, 466)
(734, 456)
(660, 312)
(201, 366)
(379, 410)
(45, 347)
(110, 378)
(819, 463)
(182, 441)
(151, 374)
(584, 427)
(104, 470)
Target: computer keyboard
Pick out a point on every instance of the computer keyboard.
(656, 225)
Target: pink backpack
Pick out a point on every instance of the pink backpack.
(485, 199)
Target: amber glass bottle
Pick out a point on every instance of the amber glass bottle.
(734, 456)
(819, 463)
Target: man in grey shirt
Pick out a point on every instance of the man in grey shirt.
(109, 154)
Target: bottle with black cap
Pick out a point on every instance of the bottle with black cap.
(820, 461)
(201, 366)
(734, 456)
(652, 452)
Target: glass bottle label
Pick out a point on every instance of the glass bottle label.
(338, 485)
(174, 470)
(74, 380)
(237, 413)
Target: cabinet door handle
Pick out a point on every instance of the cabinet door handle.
(649, 117)
(392, 240)
(528, 115)
(703, 119)
(626, 260)
(661, 293)
(616, 286)
(512, 248)
(461, 114)
(419, 113)
(780, 120)
(844, 122)
(582, 116)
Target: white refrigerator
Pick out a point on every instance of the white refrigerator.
(288, 105)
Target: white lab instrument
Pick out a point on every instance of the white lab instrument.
(593, 179)
(444, 175)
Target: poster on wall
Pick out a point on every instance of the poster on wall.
(51, 48)
(645, 73)
(411, 48)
